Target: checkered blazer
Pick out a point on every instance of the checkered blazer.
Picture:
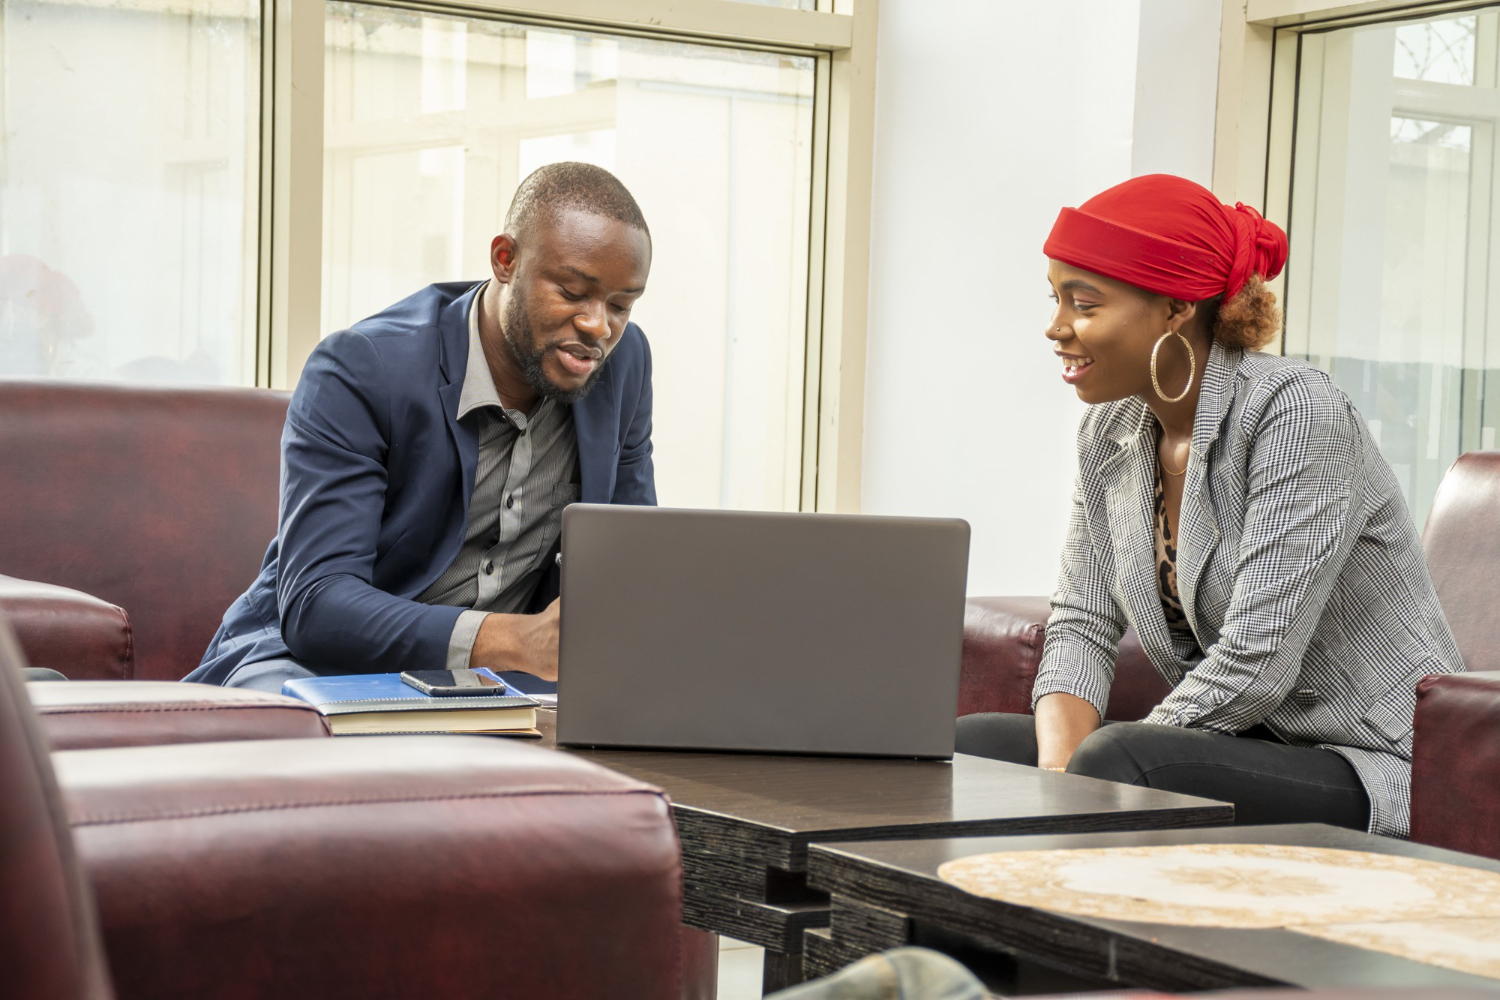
(1299, 567)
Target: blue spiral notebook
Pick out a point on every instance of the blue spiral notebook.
(364, 704)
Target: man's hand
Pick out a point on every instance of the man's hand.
(519, 642)
(1062, 722)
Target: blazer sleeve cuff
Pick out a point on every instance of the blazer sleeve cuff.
(1184, 713)
(1094, 690)
(461, 641)
(1160, 716)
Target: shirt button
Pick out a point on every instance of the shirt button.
(489, 567)
(510, 501)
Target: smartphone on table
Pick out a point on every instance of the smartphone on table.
(463, 683)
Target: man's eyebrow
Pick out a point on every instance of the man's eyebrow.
(594, 281)
(1078, 284)
(582, 274)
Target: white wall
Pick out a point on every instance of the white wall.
(990, 117)
(1176, 87)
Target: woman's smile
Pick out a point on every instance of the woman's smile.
(1075, 366)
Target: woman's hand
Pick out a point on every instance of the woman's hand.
(1062, 722)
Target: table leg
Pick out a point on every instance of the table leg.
(866, 928)
(745, 899)
(822, 956)
(780, 971)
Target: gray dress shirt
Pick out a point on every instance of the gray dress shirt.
(526, 474)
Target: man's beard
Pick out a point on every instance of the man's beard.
(516, 329)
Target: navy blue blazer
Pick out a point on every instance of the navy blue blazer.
(376, 475)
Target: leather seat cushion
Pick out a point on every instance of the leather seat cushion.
(83, 715)
(478, 867)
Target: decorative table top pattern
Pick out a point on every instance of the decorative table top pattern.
(1230, 885)
(1464, 944)
(1420, 910)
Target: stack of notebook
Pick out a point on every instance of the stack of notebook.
(365, 704)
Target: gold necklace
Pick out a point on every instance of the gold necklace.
(1163, 463)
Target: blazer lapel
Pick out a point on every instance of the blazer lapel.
(1197, 527)
(453, 328)
(1127, 478)
(596, 421)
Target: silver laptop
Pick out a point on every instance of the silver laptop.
(731, 630)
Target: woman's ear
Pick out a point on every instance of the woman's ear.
(1180, 313)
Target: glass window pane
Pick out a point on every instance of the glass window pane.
(433, 120)
(128, 178)
(1392, 228)
(1439, 51)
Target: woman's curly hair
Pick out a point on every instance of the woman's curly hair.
(1251, 319)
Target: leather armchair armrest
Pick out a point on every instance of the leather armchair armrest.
(700, 964)
(377, 866)
(1002, 648)
(69, 631)
(1455, 768)
(1003, 639)
(86, 715)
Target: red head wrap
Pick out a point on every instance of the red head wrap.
(1169, 236)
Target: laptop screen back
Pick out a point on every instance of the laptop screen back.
(729, 630)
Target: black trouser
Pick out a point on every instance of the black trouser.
(1267, 780)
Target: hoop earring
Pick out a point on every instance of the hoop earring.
(1192, 367)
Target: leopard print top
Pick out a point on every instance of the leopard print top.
(1166, 562)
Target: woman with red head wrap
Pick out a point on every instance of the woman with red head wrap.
(1231, 507)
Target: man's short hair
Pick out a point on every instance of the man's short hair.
(583, 187)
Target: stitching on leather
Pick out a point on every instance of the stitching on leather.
(110, 820)
(127, 659)
(153, 708)
(1036, 635)
(678, 883)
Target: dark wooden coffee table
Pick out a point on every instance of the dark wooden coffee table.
(746, 821)
(888, 894)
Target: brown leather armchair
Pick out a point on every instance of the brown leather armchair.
(160, 501)
(147, 511)
(1455, 800)
(67, 630)
(375, 867)
(1456, 748)
(1002, 649)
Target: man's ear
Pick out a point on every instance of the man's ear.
(503, 258)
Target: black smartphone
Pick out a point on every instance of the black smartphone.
(453, 683)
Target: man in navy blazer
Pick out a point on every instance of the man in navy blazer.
(429, 451)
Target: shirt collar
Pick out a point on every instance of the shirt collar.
(479, 385)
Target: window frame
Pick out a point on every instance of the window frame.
(840, 35)
(1254, 126)
(1262, 60)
